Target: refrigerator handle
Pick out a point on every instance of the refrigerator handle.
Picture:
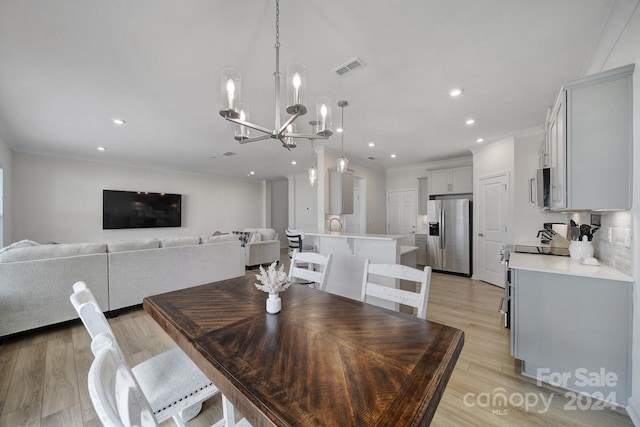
(443, 237)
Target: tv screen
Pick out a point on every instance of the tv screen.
(131, 209)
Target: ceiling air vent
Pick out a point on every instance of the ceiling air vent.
(350, 66)
(228, 153)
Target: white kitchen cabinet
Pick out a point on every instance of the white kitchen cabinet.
(590, 143)
(573, 326)
(340, 192)
(451, 181)
(557, 153)
(423, 195)
(421, 243)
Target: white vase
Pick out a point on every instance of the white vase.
(274, 304)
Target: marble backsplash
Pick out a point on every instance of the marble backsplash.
(611, 240)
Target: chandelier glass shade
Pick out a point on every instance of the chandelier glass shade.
(296, 85)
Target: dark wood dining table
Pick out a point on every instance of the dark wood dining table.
(324, 360)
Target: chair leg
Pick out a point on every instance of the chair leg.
(229, 411)
(191, 412)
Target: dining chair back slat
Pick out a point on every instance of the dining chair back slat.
(317, 271)
(417, 300)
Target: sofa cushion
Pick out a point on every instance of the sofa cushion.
(21, 244)
(52, 251)
(132, 245)
(265, 233)
(219, 238)
(179, 241)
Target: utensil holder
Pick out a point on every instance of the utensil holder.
(579, 250)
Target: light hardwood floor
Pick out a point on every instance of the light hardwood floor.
(43, 374)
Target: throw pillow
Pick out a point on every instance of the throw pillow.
(26, 243)
(255, 237)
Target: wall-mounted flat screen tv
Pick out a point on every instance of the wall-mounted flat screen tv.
(137, 209)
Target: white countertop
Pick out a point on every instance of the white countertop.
(407, 249)
(564, 265)
(354, 235)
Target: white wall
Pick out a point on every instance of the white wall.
(528, 219)
(627, 51)
(278, 217)
(6, 163)
(406, 178)
(60, 200)
(303, 202)
(492, 159)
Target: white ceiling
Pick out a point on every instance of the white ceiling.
(68, 67)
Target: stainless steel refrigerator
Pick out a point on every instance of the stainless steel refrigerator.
(449, 235)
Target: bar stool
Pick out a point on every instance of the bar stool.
(295, 238)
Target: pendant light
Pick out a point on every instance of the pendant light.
(312, 171)
(232, 109)
(343, 163)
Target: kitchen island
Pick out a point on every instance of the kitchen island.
(349, 252)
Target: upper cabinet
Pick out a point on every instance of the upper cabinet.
(451, 181)
(423, 195)
(340, 192)
(589, 137)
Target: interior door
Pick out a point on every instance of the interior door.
(402, 214)
(493, 217)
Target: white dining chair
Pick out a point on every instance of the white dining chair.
(116, 395)
(172, 384)
(316, 271)
(417, 300)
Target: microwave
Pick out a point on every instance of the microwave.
(542, 190)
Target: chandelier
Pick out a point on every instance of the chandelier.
(237, 112)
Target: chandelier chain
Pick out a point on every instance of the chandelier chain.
(277, 23)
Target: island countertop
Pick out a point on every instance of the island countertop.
(353, 235)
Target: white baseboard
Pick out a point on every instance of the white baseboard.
(633, 410)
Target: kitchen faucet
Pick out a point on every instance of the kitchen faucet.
(331, 223)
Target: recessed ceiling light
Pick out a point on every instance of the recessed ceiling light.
(479, 140)
(470, 121)
(102, 148)
(393, 156)
(252, 173)
(118, 122)
(293, 162)
(372, 144)
(455, 92)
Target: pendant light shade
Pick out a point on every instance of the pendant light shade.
(343, 164)
(313, 175)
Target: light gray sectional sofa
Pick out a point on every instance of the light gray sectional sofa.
(263, 246)
(36, 281)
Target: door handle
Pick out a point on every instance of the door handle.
(480, 234)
